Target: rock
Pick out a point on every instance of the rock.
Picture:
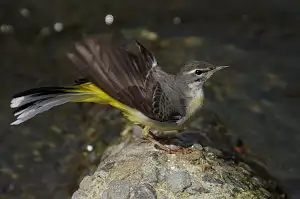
(144, 191)
(198, 146)
(119, 189)
(177, 181)
(135, 170)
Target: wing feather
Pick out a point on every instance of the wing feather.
(120, 71)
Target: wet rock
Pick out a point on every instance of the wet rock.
(194, 191)
(162, 174)
(132, 170)
(198, 146)
(177, 181)
(213, 151)
(119, 189)
(144, 191)
(211, 179)
(150, 175)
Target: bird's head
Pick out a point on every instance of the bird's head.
(194, 74)
(197, 72)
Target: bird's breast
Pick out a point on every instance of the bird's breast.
(195, 103)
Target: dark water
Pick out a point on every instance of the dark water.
(257, 98)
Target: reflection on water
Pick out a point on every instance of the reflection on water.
(256, 98)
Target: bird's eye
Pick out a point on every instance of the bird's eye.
(198, 72)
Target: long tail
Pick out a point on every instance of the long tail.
(34, 101)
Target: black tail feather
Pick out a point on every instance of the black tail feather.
(29, 103)
(42, 91)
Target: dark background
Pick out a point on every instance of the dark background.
(257, 98)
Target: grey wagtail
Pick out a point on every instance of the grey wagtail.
(128, 78)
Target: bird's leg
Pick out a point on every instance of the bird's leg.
(147, 134)
(146, 131)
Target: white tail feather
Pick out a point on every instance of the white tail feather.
(40, 103)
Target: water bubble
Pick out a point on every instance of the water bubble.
(177, 20)
(109, 19)
(6, 28)
(58, 27)
(89, 148)
(24, 12)
(45, 31)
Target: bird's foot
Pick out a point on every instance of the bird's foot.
(151, 138)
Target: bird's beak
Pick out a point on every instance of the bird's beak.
(219, 68)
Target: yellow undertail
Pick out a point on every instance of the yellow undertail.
(96, 95)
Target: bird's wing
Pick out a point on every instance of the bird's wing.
(122, 72)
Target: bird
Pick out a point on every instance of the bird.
(129, 78)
